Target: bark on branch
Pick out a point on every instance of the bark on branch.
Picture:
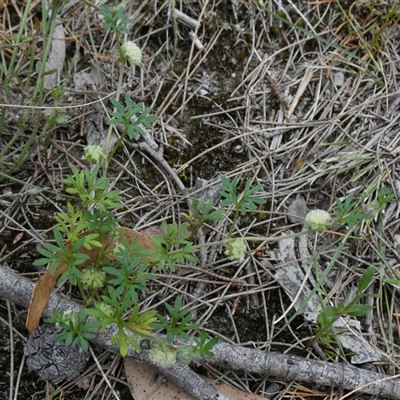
(18, 289)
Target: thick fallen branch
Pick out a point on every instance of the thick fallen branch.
(19, 289)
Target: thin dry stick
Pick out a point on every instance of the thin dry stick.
(157, 155)
(191, 22)
(190, 58)
(11, 351)
(104, 376)
(173, 93)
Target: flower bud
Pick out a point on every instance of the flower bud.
(94, 153)
(236, 249)
(107, 309)
(93, 278)
(163, 355)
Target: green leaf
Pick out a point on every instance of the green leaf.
(141, 323)
(103, 319)
(352, 219)
(41, 261)
(119, 108)
(179, 323)
(71, 190)
(134, 343)
(390, 281)
(228, 191)
(366, 279)
(246, 202)
(123, 347)
(83, 343)
(48, 250)
(135, 129)
(327, 316)
(90, 241)
(59, 239)
(331, 312)
(359, 310)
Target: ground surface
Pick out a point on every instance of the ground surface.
(301, 97)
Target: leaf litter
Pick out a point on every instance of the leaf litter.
(323, 125)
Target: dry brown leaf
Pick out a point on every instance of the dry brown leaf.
(48, 281)
(142, 385)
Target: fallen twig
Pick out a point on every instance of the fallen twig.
(158, 156)
(18, 289)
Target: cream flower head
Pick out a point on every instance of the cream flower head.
(132, 52)
(318, 220)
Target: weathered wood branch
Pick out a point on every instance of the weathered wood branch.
(18, 289)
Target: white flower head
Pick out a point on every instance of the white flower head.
(318, 220)
(236, 249)
(132, 52)
(94, 153)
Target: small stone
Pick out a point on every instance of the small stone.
(297, 211)
(338, 78)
